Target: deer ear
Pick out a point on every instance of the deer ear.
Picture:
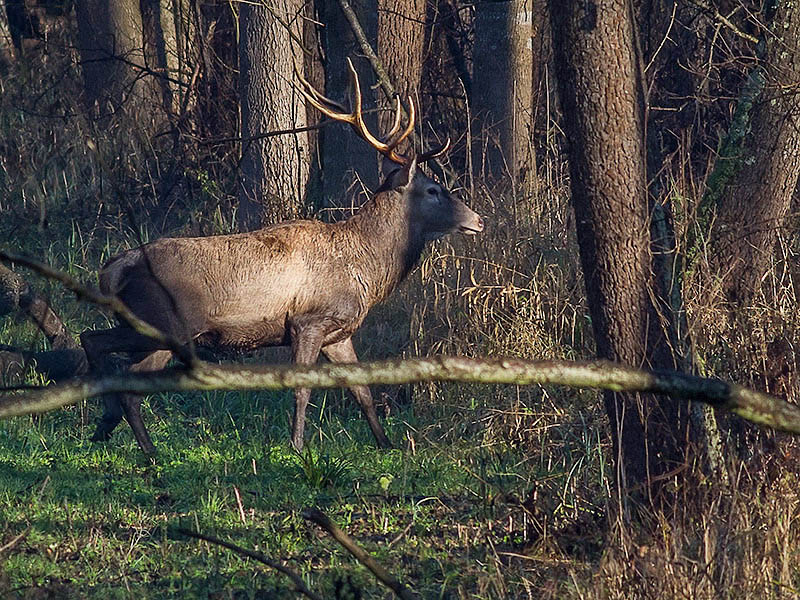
(398, 175)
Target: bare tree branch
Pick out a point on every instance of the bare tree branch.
(317, 516)
(749, 404)
(17, 295)
(366, 48)
(182, 351)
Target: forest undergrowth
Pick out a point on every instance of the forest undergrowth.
(491, 491)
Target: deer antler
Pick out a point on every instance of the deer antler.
(421, 158)
(355, 118)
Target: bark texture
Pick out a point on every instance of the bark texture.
(752, 210)
(343, 154)
(601, 103)
(503, 88)
(274, 169)
(401, 34)
(114, 67)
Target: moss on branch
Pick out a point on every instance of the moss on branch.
(752, 405)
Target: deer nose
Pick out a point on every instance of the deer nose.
(479, 223)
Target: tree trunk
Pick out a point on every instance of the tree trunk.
(752, 210)
(112, 55)
(274, 169)
(345, 156)
(601, 103)
(217, 83)
(670, 79)
(314, 69)
(155, 36)
(502, 98)
(169, 31)
(401, 34)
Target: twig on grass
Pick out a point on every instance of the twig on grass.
(317, 516)
(299, 585)
(16, 540)
(400, 536)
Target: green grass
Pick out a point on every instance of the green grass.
(100, 517)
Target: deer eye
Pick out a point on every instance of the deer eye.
(433, 191)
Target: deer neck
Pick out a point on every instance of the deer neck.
(389, 242)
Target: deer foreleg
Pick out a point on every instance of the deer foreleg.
(112, 415)
(306, 344)
(98, 345)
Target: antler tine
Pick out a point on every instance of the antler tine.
(320, 102)
(326, 100)
(397, 114)
(356, 119)
(435, 152)
(361, 127)
(412, 117)
(356, 114)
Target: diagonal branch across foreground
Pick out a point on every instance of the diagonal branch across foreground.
(185, 352)
(752, 405)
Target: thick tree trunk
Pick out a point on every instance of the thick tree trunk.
(502, 98)
(169, 32)
(114, 68)
(601, 103)
(401, 34)
(752, 210)
(217, 83)
(345, 156)
(274, 170)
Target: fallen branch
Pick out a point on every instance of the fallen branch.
(55, 365)
(299, 585)
(14, 541)
(17, 295)
(182, 351)
(317, 516)
(752, 405)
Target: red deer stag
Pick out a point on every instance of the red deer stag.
(305, 283)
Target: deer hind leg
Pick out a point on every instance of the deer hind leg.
(343, 352)
(306, 344)
(132, 403)
(98, 346)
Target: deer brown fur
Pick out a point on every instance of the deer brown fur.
(305, 284)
